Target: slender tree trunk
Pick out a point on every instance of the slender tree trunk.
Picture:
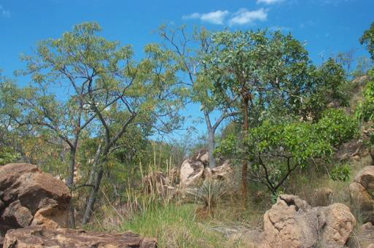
(69, 183)
(211, 146)
(211, 140)
(92, 198)
(245, 162)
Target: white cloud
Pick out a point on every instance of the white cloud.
(4, 12)
(244, 16)
(214, 17)
(269, 1)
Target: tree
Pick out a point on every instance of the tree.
(326, 88)
(368, 39)
(260, 71)
(85, 86)
(276, 149)
(188, 53)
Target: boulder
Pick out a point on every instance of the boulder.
(223, 171)
(336, 224)
(292, 223)
(362, 193)
(31, 197)
(39, 237)
(197, 169)
(190, 173)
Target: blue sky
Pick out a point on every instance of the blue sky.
(326, 26)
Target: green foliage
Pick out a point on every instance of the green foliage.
(268, 69)
(326, 86)
(368, 39)
(7, 155)
(336, 128)
(341, 173)
(277, 149)
(365, 109)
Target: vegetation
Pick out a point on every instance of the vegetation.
(100, 115)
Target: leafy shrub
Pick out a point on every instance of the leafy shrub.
(336, 128)
(340, 173)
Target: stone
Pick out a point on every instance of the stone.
(361, 192)
(223, 171)
(16, 215)
(196, 169)
(290, 223)
(190, 172)
(31, 197)
(39, 237)
(293, 223)
(337, 224)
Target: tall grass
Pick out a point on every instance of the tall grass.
(173, 226)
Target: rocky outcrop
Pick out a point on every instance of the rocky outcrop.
(196, 169)
(362, 193)
(30, 197)
(39, 237)
(292, 223)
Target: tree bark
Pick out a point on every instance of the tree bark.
(245, 162)
(211, 140)
(211, 146)
(92, 198)
(69, 184)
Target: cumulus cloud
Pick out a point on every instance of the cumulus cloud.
(214, 17)
(220, 17)
(244, 16)
(269, 1)
(4, 12)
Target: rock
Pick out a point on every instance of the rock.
(203, 156)
(190, 172)
(292, 223)
(16, 215)
(51, 217)
(362, 193)
(197, 169)
(223, 171)
(367, 227)
(39, 237)
(322, 197)
(337, 224)
(31, 197)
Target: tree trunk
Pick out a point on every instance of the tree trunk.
(92, 198)
(245, 162)
(211, 146)
(69, 184)
(211, 140)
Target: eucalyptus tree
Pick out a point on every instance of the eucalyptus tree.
(259, 71)
(189, 51)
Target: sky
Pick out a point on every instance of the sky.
(324, 26)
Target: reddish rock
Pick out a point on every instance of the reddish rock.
(39, 237)
(31, 197)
